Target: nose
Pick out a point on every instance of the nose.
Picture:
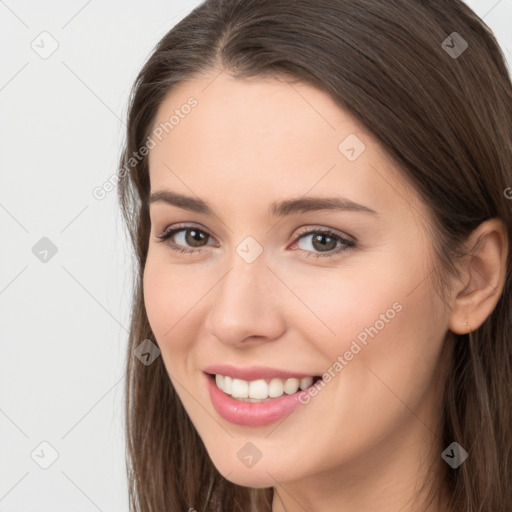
(246, 305)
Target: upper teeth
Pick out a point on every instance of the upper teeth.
(259, 389)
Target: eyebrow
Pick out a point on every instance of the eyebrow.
(276, 209)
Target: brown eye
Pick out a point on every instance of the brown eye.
(322, 242)
(185, 239)
(195, 237)
(317, 243)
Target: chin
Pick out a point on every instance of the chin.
(246, 478)
(257, 476)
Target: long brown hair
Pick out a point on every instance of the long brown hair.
(446, 120)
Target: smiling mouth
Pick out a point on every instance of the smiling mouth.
(261, 390)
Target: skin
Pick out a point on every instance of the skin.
(365, 441)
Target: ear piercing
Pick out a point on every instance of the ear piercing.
(466, 323)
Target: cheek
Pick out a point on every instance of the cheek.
(159, 298)
(390, 344)
(173, 296)
(166, 299)
(370, 314)
(341, 304)
(167, 292)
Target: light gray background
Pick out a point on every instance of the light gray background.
(64, 322)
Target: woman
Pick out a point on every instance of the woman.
(317, 196)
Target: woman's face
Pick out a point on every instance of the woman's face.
(305, 255)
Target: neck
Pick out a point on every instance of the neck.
(388, 481)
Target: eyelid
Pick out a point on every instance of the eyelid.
(184, 226)
(312, 228)
(176, 228)
(348, 240)
(301, 231)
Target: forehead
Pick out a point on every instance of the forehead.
(266, 137)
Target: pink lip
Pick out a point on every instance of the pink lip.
(253, 373)
(250, 414)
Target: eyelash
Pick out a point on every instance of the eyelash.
(348, 244)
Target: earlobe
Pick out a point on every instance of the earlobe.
(484, 271)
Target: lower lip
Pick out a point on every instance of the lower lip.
(251, 414)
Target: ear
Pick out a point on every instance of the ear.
(483, 276)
